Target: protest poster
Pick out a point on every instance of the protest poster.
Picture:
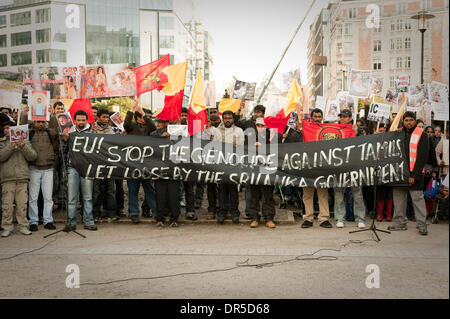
(425, 113)
(210, 93)
(286, 79)
(438, 92)
(321, 103)
(402, 84)
(359, 82)
(379, 112)
(341, 99)
(51, 80)
(332, 111)
(117, 119)
(376, 86)
(18, 133)
(64, 122)
(244, 91)
(178, 130)
(11, 84)
(440, 111)
(107, 80)
(347, 162)
(38, 104)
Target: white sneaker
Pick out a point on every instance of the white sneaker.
(25, 231)
(6, 233)
(340, 225)
(361, 225)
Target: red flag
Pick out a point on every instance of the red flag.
(172, 107)
(196, 121)
(313, 132)
(277, 122)
(150, 76)
(81, 105)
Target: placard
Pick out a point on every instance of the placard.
(64, 122)
(18, 133)
(359, 82)
(117, 119)
(379, 112)
(178, 130)
(440, 111)
(38, 103)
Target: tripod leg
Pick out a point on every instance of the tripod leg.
(53, 233)
(79, 234)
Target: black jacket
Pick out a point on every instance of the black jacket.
(423, 150)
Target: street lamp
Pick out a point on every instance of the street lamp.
(422, 18)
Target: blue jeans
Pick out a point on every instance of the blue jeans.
(74, 181)
(133, 200)
(40, 180)
(339, 205)
(349, 212)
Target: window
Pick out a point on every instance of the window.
(377, 30)
(339, 29)
(2, 22)
(42, 56)
(408, 62)
(391, 82)
(377, 64)
(399, 24)
(59, 37)
(43, 36)
(392, 26)
(392, 44)
(3, 43)
(42, 15)
(22, 38)
(399, 44)
(3, 60)
(339, 85)
(352, 13)
(339, 48)
(398, 62)
(166, 23)
(22, 18)
(21, 58)
(401, 8)
(425, 5)
(408, 43)
(408, 25)
(167, 41)
(377, 45)
(347, 28)
(59, 56)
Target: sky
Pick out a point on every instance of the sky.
(251, 35)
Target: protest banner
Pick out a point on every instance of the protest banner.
(359, 83)
(18, 133)
(438, 92)
(64, 122)
(11, 89)
(348, 162)
(39, 103)
(244, 91)
(52, 80)
(379, 112)
(402, 84)
(376, 86)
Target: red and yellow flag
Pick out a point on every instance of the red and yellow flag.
(313, 132)
(197, 116)
(174, 90)
(229, 105)
(72, 106)
(150, 76)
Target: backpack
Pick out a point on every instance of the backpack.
(432, 190)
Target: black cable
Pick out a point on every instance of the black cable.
(304, 257)
(30, 251)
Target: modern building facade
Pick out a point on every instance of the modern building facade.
(42, 33)
(392, 50)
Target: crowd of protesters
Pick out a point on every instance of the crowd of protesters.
(37, 174)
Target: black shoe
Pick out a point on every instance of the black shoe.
(146, 213)
(34, 227)
(235, 220)
(326, 224)
(135, 219)
(49, 226)
(120, 213)
(191, 216)
(69, 228)
(198, 205)
(307, 224)
(173, 225)
(90, 227)
(220, 219)
(160, 224)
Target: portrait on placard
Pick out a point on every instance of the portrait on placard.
(64, 122)
(38, 104)
(18, 133)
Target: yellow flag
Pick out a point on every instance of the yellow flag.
(176, 75)
(294, 97)
(394, 126)
(198, 100)
(229, 105)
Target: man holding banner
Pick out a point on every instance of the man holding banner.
(416, 146)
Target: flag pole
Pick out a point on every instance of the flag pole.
(284, 53)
